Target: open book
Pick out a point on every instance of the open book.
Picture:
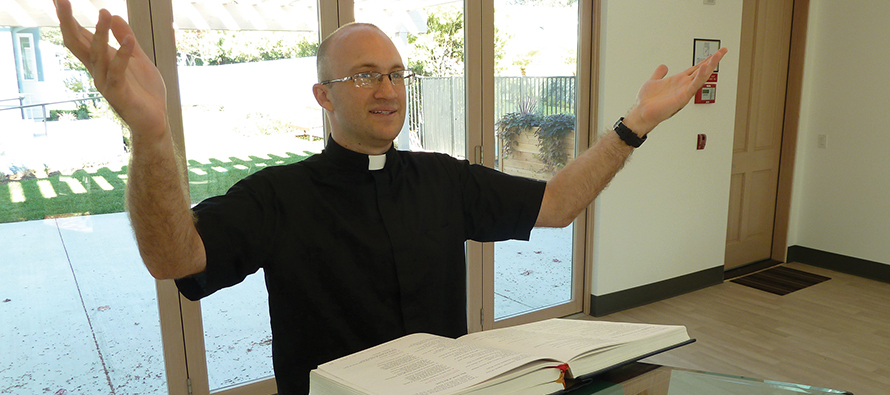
(535, 358)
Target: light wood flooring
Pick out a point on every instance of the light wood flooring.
(835, 334)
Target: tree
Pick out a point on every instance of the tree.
(215, 47)
(439, 51)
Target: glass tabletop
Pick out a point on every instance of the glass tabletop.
(645, 378)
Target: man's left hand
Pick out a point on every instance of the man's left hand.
(660, 98)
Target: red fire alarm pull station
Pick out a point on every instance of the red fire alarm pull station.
(707, 94)
(702, 140)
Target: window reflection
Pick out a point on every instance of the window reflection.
(246, 71)
(535, 97)
(79, 310)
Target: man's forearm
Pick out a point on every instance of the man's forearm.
(574, 187)
(159, 207)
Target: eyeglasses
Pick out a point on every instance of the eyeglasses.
(372, 79)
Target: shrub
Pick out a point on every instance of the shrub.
(552, 140)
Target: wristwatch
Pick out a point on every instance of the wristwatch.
(629, 137)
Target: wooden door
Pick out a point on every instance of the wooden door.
(760, 114)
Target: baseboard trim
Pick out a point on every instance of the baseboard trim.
(601, 305)
(841, 263)
(749, 268)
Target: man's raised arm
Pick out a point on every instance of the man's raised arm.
(581, 181)
(157, 197)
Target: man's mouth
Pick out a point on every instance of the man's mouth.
(382, 112)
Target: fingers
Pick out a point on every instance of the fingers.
(710, 63)
(121, 30)
(704, 63)
(99, 50)
(707, 66)
(715, 59)
(75, 37)
(118, 66)
(659, 73)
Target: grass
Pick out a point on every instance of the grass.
(101, 191)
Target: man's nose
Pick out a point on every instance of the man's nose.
(386, 88)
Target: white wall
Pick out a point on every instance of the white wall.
(841, 195)
(665, 214)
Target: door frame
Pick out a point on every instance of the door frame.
(789, 137)
(793, 92)
(480, 312)
(182, 339)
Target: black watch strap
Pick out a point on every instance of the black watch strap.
(629, 137)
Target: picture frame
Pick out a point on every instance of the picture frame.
(702, 48)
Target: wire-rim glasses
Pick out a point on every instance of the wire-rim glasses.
(372, 79)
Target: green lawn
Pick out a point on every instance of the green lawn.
(102, 191)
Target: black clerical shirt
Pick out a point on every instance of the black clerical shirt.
(355, 257)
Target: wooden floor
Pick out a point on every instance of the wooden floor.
(835, 334)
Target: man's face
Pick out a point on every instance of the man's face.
(365, 119)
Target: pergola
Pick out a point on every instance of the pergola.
(284, 15)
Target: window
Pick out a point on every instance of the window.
(27, 57)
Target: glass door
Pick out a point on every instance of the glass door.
(536, 132)
(245, 85)
(80, 312)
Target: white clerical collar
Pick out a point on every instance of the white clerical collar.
(376, 162)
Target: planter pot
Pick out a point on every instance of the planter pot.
(523, 161)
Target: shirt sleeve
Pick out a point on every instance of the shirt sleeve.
(235, 229)
(499, 206)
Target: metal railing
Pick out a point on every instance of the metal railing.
(20, 99)
(94, 98)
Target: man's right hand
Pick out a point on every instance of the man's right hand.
(126, 77)
(157, 195)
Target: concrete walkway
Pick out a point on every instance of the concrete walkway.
(79, 310)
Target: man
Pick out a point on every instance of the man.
(359, 244)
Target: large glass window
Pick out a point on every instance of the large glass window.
(535, 67)
(245, 83)
(79, 310)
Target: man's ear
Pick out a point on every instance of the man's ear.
(322, 96)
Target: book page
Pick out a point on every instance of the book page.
(424, 364)
(565, 339)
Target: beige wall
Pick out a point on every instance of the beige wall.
(841, 198)
(665, 214)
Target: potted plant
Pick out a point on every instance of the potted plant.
(512, 124)
(554, 145)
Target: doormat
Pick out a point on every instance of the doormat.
(780, 280)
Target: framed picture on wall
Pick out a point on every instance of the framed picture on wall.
(703, 48)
